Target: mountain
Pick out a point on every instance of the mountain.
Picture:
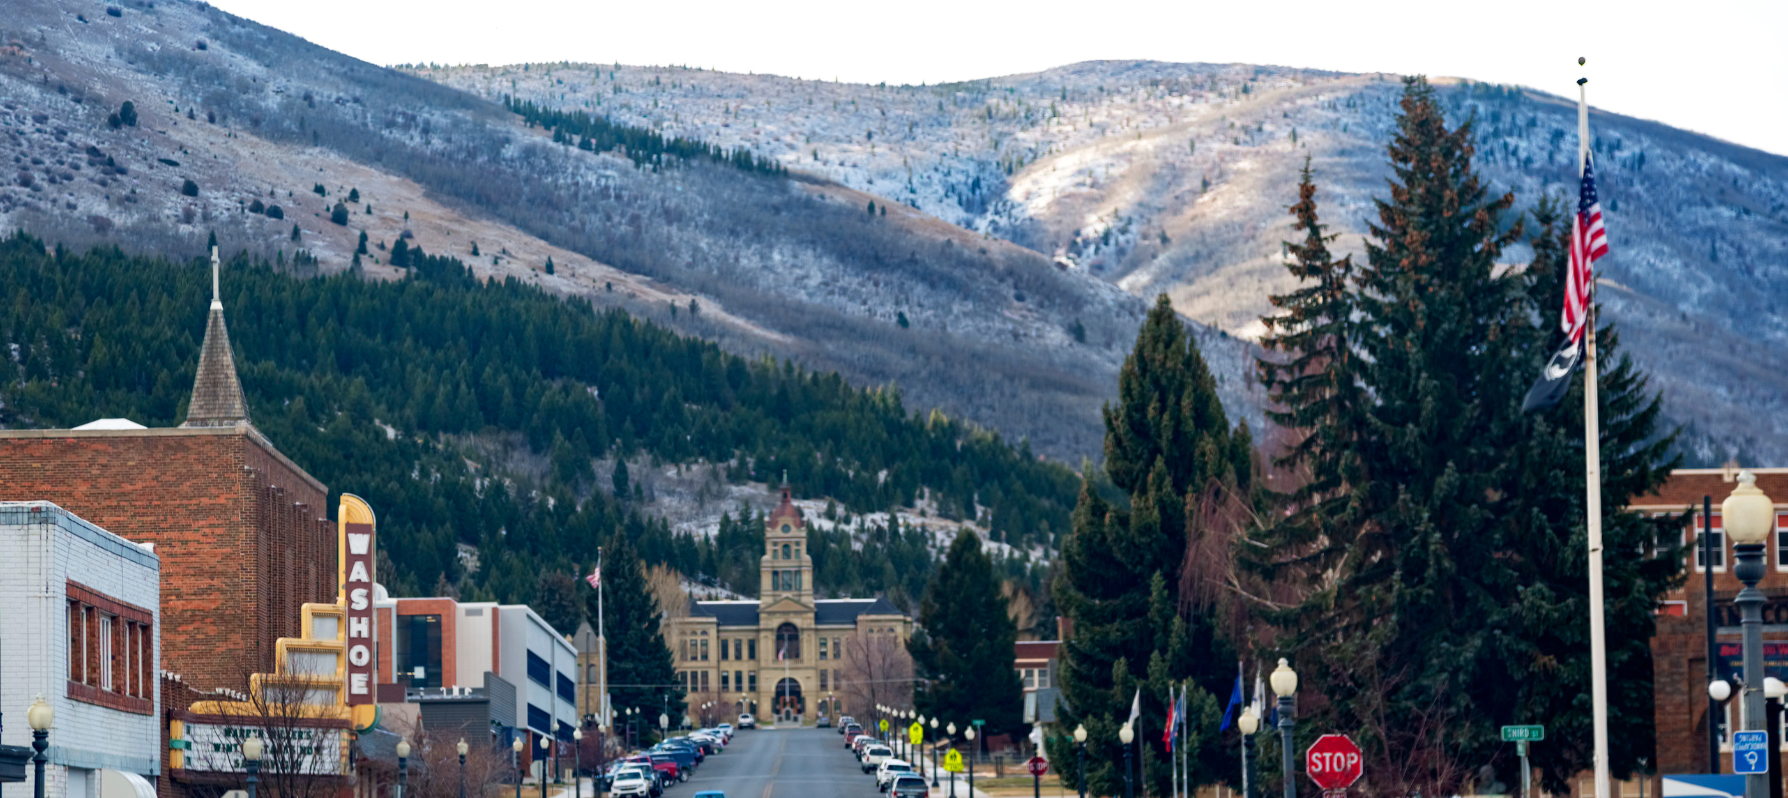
(1175, 177)
(229, 118)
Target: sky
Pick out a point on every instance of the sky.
(1718, 67)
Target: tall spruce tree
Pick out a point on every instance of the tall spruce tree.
(963, 651)
(1314, 390)
(1451, 599)
(1167, 445)
(641, 673)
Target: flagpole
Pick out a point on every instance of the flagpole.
(1592, 461)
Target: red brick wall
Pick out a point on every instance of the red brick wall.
(239, 532)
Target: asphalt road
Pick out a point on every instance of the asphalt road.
(778, 763)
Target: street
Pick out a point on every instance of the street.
(793, 763)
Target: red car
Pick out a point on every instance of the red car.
(850, 734)
(668, 768)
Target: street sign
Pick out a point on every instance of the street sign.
(953, 761)
(1334, 762)
(915, 733)
(1523, 734)
(883, 725)
(1750, 752)
(1037, 766)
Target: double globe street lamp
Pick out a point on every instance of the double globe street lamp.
(521, 742)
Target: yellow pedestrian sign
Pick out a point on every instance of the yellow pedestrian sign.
(883, 725)
(953, 761)
(915, 733)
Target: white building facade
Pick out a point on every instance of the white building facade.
(82, 629)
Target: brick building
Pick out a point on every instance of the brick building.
(80, 631)
(1679, 648)
(239, 528)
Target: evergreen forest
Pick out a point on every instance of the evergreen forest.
(398, 391)
(638, 144)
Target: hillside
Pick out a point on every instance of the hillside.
(231, 117)
(1174, 177)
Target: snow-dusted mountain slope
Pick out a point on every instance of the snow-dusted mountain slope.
(1174, 178)
(232, 117)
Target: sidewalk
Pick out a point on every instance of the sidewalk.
(942, 790)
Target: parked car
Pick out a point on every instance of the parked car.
(874, 755)
(822, 722)
(685, 756)
(843, 721)
(668, 767)
(710, 794)
(863, 741)
(630, 782)
(851, 733)
(888, 770)
(909, 786)
(726, 728)
(746, 721)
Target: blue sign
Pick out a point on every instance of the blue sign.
(1702, 785)
(1750, 752)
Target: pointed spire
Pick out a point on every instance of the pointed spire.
(216, 392)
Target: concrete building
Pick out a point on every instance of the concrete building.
(426, 645)
(783, 655)
(81, 628)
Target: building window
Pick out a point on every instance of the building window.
(538, 671)
(540, 719)
(704, 651)
(723, 650)
(823, 654)
(785, 552)
(418, 644)
(753, 681)
(725, 681)
(1042, 678)
(1782, 543)
(738, 680)
(751, 649)
(788, 642)
(567, 689)
(704, 681)
(683, 679)
(738, 649)
(1030, 679)
(825, 682)
(105, 653)
(837, 648)
(77, 642)
(1719, 547)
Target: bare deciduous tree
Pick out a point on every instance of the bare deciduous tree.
(878, 671)
(666, 586)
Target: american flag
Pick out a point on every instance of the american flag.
(595, 577)
(1589, 242)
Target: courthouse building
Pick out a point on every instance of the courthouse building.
(783, 655)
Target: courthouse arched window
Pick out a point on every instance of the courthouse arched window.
(788, 641)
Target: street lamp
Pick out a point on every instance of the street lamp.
(1748, 516)
(1285, 686)
(546, 761)
(462, 748)
(521, 742)
(933, 751)
(252, 749)
(1248, 724)
(577, 763)
(951, 729)
(1125, 736)
(403, 766)
(40, 716)
(970, 734)
(1080, 745)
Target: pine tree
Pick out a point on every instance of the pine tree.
(1314, 391)
(549, 265)
(963, 650)
(1450, 595)
(1167, 446)
(360, 247)
(620, 478)
(641, 673)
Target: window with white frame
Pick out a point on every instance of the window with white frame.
(1781, 542)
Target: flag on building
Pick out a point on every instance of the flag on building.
(1589, 242)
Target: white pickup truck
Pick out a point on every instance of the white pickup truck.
(874, 755)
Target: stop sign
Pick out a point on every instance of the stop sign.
(1333, 762)
(1038, 766)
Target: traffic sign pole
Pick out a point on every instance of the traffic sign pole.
(1526, 772)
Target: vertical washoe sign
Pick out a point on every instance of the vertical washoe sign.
(356, 579)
